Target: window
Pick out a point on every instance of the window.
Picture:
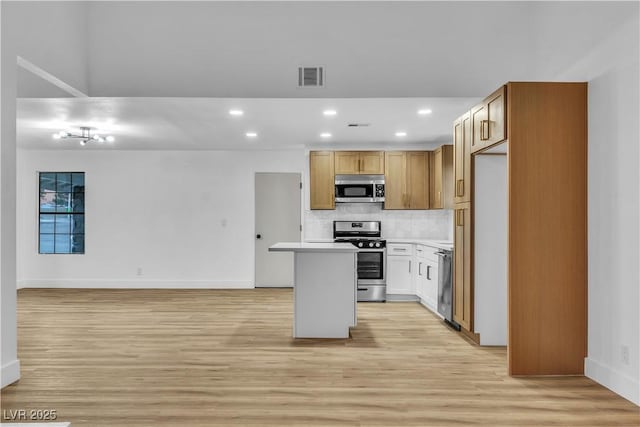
(61, 213)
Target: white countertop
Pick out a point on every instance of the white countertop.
(328, 246)
(440, 244)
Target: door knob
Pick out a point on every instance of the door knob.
(258, 236)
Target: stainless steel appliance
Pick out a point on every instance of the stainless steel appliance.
(445, 287)
(359, 188)
(372, 256)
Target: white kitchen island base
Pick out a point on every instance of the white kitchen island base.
(324, 290)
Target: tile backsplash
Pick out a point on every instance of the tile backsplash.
(429, 224)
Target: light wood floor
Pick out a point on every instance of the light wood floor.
(201, 358)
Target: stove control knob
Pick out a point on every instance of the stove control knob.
(360, 244)
(377, 244)
(370, 244)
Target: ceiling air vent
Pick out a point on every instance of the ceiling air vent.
(358, 125)
(310, 77)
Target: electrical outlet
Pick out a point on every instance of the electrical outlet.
(139, 271)
(624, 354)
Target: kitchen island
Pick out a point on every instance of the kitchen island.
(324, 289)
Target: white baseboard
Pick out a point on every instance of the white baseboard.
(134, 284)
(402, 297)
(614, 380)
(10, 373)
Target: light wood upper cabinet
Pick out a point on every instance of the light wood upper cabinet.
(442, 179)
(395, 177)
(462, 158)
(347, 162)
(321, 180)
(359, 162)
(462, 286)
(488, 121)
(406, 180)
(372, 162)
(418, 179)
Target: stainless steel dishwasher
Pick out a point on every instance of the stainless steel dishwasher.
(445, 287)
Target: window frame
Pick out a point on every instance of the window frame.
(39, 212)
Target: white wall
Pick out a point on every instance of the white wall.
(180, 216)
(9, 362)
(185, 218)
(612, 71)
(490, 249)
(33, 31)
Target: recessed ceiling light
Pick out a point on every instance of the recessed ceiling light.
(251, 134)
(329, 112)
(236, 112)
(424, 112)
(325, 135)
(401, 134)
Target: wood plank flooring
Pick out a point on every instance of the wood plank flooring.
(226, 357)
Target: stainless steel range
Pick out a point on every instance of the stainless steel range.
(372, 256)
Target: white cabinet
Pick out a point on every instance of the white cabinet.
(430, 293)
(412, 270)
(420, 272)
(400, 269)
(427, 276)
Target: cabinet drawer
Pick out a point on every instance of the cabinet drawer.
(430, 253)
(399, 249)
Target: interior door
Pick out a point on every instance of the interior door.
(277, 219)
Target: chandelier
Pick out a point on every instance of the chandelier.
(87, 134)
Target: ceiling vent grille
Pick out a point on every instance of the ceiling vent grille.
(310, 77)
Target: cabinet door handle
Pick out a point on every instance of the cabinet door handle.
(484, 137)
(460, 187)
(428, 272)
(409, 266)
(420, 269)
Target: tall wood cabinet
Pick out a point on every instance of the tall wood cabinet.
(544, 127)
(462, 289)
(321, 180)
(406, 180)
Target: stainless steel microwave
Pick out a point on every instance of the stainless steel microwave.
(359, 188)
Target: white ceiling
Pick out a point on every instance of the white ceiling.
(369, 49)
(163, 74)
(205, 123)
